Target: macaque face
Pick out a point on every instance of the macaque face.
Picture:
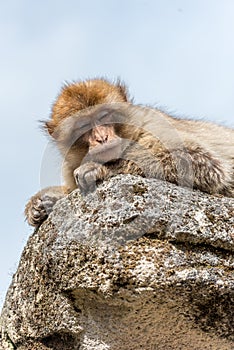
(96, 132)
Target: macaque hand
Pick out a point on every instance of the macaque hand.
(87, 174)
(41, 204)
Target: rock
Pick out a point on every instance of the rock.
(138, 264)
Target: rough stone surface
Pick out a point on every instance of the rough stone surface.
(138, 264)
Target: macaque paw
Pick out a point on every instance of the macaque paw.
(38, 209)
(87, 175)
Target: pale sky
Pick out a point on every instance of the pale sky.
(178, 54)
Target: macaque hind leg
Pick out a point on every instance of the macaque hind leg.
(190, 166)
(205, 171)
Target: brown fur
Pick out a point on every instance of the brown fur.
(131, 139)
(85, 94)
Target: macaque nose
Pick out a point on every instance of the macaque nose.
(100, 134)
(102, 138)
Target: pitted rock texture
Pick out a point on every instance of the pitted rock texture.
(138, 264)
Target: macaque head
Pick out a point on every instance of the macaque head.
(83, 126)
(93, 134)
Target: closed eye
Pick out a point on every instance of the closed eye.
(103, 115)
(111, 117)
(84, 126)
(105, 118)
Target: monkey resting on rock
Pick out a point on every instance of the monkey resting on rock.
(100, 133)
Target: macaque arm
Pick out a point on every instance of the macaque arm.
(41, 204)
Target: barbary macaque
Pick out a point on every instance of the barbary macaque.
(101, 133)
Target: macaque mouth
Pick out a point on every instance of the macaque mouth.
(106, 152)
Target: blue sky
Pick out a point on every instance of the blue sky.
(178, 54)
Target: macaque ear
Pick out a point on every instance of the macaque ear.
(50, 128)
